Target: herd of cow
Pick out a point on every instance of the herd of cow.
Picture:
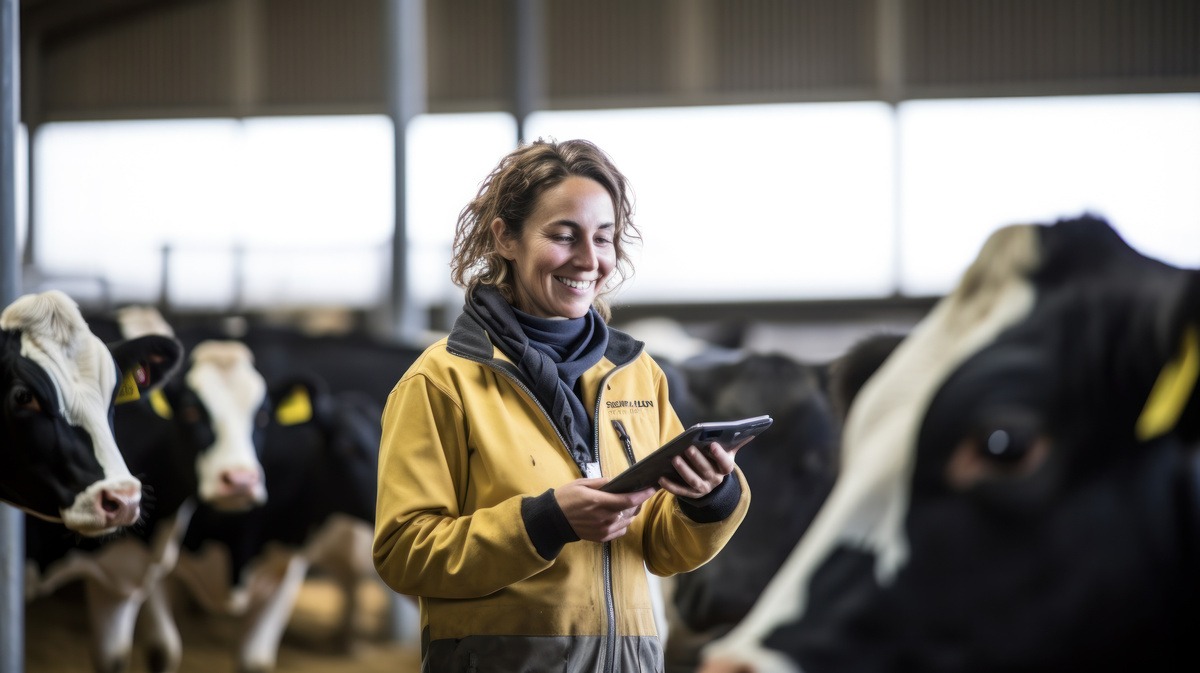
(1012, 485)
(227, 482)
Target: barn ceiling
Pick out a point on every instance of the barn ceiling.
(175, 58)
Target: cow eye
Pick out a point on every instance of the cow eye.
(23, 399)
(191, 414)
(1004, 445)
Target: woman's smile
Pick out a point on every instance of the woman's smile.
(565, 251)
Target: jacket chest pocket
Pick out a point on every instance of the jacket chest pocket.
(635, 436)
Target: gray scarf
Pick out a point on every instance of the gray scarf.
(552, 355)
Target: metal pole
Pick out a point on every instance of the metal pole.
(891, 77)
(12, 523)
(30, 112)
(406, 99)
(164, 280)
(528, 64)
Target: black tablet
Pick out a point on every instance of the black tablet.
(646, 471)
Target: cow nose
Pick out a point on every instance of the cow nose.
(240, 483)
(239, 478)
(237, 489)
(121, 507)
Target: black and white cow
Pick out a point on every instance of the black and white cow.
(791, 469)
(60, 460)
(351, 362)
(1019, 484)
(319, 459)
(846, 375)
(196, 441)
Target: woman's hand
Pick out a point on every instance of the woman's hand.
(721, 666)
(597, 515)
(698, 474)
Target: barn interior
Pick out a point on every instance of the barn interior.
(541, 65)
(808, 172)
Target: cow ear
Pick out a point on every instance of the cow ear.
(295, 407)
(1174, 401)
(297, 400)
(145, 364)
(848, 373)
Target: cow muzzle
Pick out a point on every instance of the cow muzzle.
(104, 507)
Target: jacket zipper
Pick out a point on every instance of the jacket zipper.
(609, 664)
(612, 613)
(620, 428)
(610, 654)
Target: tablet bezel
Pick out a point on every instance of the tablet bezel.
(647, 471)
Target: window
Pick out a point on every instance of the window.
(970, 166)
(751, 202)
(735, 203)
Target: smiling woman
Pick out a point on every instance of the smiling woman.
(498, 440)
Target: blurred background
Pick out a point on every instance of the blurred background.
(801, 166)
(806, 171)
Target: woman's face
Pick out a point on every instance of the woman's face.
(566, 251)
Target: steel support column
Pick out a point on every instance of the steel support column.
(528, 61)
(407, 94)
(12, 523)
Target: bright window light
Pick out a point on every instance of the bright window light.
(112, 195)
(773, 202)
(971, 166)
(735, 203)
(319, 203)
(318, 181)
(449, 155)
(21, 184)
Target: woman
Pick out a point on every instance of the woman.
(498, 438)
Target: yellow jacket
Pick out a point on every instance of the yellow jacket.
(464, 442)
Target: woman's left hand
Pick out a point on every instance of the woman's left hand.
(700, 474)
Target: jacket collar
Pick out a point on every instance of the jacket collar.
(469, 339)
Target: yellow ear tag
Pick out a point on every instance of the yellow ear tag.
(160, 405)
(296, 408)
(1171, 391)
(128, 390)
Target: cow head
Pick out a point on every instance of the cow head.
(1019, 485)
(211, 418)
(319, 459)
(794, 463)
(220, 408)
(60, 461)
(322, 450)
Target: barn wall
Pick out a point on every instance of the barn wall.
(175, 58)
(1060, 45)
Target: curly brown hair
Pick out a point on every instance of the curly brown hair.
(510, 193)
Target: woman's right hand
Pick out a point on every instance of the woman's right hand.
(722, 666)
(597, 515)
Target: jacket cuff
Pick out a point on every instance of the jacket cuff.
(546, 525)
(717, 505)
